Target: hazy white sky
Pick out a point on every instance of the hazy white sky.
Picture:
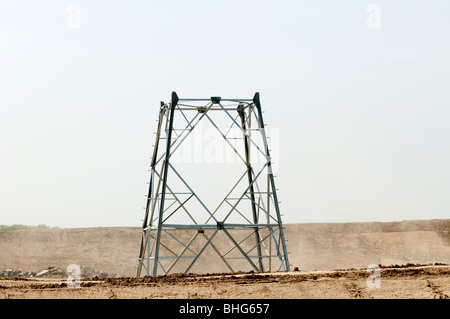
(360, 97)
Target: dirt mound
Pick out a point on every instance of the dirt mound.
(327, 246)
(345, 245)
(109, 250)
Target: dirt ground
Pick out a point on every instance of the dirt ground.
(423, 247)
(314, 246)
(395, 282)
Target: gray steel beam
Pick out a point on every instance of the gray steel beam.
(201, 251)
(257, 102)
(164, 181)
(150, 190)
(238, 247)
(250, 181)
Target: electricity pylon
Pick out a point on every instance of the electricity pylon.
(244, 229)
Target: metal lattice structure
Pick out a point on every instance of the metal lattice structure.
(244, 229)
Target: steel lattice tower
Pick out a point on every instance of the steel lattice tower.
(244, 231)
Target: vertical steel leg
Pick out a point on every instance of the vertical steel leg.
(164, 182)
(145, 222)
(272, 181)
(250, 181)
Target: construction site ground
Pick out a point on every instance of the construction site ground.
(401, 282)
(331, 260)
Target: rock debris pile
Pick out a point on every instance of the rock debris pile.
(56, 272)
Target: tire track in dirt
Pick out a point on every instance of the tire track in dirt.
(354, 290)
(3, 290)
(435, 289)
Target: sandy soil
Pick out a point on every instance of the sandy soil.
(316, 249)
(396, 282)
(321, 246)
